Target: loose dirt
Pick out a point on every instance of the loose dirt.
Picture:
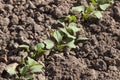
(29, 21)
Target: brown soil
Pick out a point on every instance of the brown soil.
(29, 22)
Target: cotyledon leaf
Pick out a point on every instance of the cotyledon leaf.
(67, 33)
(82, 39)
(104, 6)
(73, 26)
(40, 47)
(58, 37)
(25, 47)
(24, 69)
(78, 8)
(31, 61)
(98, 14)
(49, 43)
(36, 68)
(71, 44)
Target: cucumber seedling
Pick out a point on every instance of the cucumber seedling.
(94, 8)
(26, 72)
(67, 36)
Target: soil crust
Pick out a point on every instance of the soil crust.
(29, 21)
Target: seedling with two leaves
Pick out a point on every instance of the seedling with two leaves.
(94, 8)
(68, 19)
(67, 36)
(27, 71)
(44, 46)
(102, 4)
(39, 47)
(87, 12)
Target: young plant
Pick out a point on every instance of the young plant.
(67, 36)
(87, 12)
(44, 46)
(93, 9)
(27, 71)
(39, 47)
(31, 67)
(70, 18)
(102, 4)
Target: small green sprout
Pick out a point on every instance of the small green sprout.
(25, 47)
(87, 12)
(39, 47)
(26, 72)
(71, 18)
(94, 8)
(66, 37)
(28, 69)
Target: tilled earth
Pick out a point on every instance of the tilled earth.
(29, 21)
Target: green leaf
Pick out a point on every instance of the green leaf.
(89, 9)
(60, 47)
(100, 1)
(36, 68)
(25, 47)
(41, 50)
(98, 14)
(73, 26)
(40, 47)
(58, 37)
(31, 61)
(93, 2)
(49, 43)
(24, 69)
(82, 39)
(67, 33)
(11, 70)
(34, 65)
(78, 9)
(71, 44)
(86, 16)
(104, 6)
(71, 18)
